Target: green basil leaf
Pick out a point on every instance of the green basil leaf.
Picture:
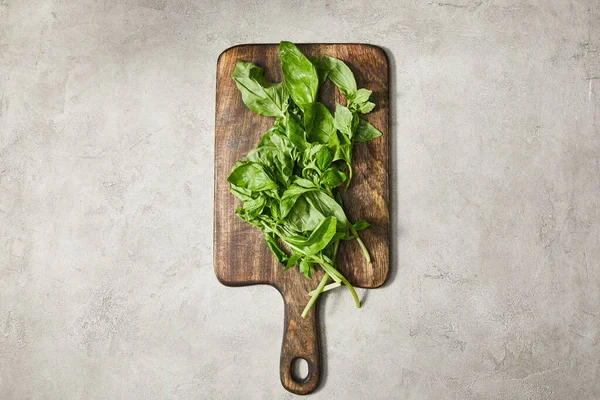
(343, 120)
(317, 240)
(338, 199)
(355, 122)
(266, 139)
(241, 212)
(296, 134)
(361, 96)
(299, 74)
(274, 160)
(318, 122)
(292, 261)
(366, 131)
(341, 76)
(263, 155)
(275, 137)
(303, 217)
(259, 95)
(304, 183)
(365, 108)
(323, 158)
(361, 225)
(334, 145)
(306, 268)
(255, 206)
(310, 152)
(322, 69)
(276, 249)
(251, 176)
(333, 178)
(326, 206)
(241, 193)
(290, 196)
(317, 155)
(295, 191)
(341, 147)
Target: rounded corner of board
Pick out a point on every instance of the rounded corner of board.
(228, 50)
(222, 279)
(378, 49)
(380, 282)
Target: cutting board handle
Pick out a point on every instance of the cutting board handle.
(300, 340)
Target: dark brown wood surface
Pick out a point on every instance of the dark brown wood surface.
(241, 255)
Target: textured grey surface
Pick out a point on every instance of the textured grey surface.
(106, 144)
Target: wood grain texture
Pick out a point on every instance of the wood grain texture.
(241, 256)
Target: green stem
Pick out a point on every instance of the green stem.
(336, 247)
(334, 272)
(336, 279)
(349, 175)
(329, 192)
(316, 294)
(362, 245)
(331, 286)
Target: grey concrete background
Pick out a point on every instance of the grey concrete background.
(106, 145)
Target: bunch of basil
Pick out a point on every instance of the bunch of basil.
(287, 183)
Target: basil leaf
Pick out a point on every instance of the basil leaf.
(317, 240)
(241, 193)
(361, 225)
(306, 267)
(276, 249)
(295, 191)
(361, 102)
(326, 206)
(317, 156)
(274, 160)
(341, 147)
(366, 131)
(303, 217)
(304, 183)
(299, 74)
(333, 178)
(341, 76)
(346, 121)
(274, 137)
(255, 206)
(323, 158)
(318, 122)
(292, 261)
(361, 96)
(296, 134)
(322, 70)
(343, 120)
(365, 108)
(259, 95)
(252, 176)
(290, 196)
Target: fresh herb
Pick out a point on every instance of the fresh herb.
(289, 183)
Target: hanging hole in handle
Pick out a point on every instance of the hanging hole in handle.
(300, 370)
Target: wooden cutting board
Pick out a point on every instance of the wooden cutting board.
(241, 255)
